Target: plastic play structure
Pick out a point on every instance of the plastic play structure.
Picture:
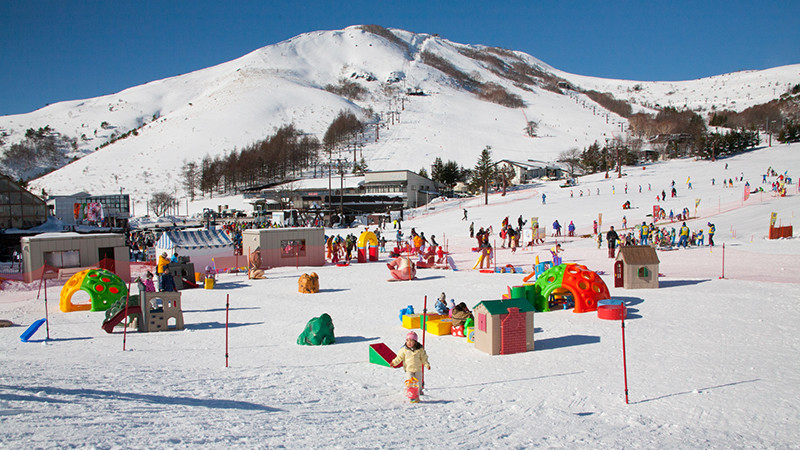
(402, 268)
(308, 284)
(318, 331)
(611, 309)
(566, 280)
(104, 288)
(382, 355)
(29, 332)
(586, 287)
(154, 311)
(367, 243)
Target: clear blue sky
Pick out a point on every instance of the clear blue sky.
(59, 50)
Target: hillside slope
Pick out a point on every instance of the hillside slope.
(223, 108)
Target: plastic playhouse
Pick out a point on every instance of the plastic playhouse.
(503, 327)
(154, 311)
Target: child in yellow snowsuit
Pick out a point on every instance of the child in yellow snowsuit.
(413, 358)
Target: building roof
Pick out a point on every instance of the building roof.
(638, 255)
(194, 240)
(336, 182)
(495, 307)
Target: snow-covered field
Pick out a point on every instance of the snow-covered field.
(712, 363)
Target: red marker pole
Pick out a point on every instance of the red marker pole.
(624, 361)
(141, 316)
(424, 326)
(46, 319)
(723, 261)
(227, 309)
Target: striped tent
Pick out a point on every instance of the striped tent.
(199, 245)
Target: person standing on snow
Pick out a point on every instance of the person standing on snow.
(684, 236)
(644, 233)
(711, 230)
(413, 358)
(612, 237)
(556, 228)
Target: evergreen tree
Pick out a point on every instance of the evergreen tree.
(484, 171)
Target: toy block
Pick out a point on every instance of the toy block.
(381, 354)
(469, 332)
(440, 327)
(412, 321)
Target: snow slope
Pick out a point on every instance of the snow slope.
(711, 362)
(226, 107)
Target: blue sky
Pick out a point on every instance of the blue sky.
(59, 50)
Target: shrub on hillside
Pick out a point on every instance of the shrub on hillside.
(607, 101)
(348, 89)
(386, 34)
(498, 94)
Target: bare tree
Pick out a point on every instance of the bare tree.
(572, 159)
(191, 175)
(531, 128)
(160, 202)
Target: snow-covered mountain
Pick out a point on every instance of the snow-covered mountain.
(226, 107)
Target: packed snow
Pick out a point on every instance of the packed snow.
(711, 362)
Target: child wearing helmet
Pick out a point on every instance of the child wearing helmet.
(413, 358)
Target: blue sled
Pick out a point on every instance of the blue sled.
(24, 337)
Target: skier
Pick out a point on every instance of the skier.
(556, 228)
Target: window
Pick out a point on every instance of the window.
(68, 258)
(643, 272)
(291, 248)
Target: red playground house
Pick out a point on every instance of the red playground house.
(503, 327)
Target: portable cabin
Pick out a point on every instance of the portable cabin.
(282, 247)
(68, 253)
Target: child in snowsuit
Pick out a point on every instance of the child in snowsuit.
(149, 286)
(413, 358)
(441, 305)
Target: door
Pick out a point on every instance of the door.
(618, 273)
(105, 256)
